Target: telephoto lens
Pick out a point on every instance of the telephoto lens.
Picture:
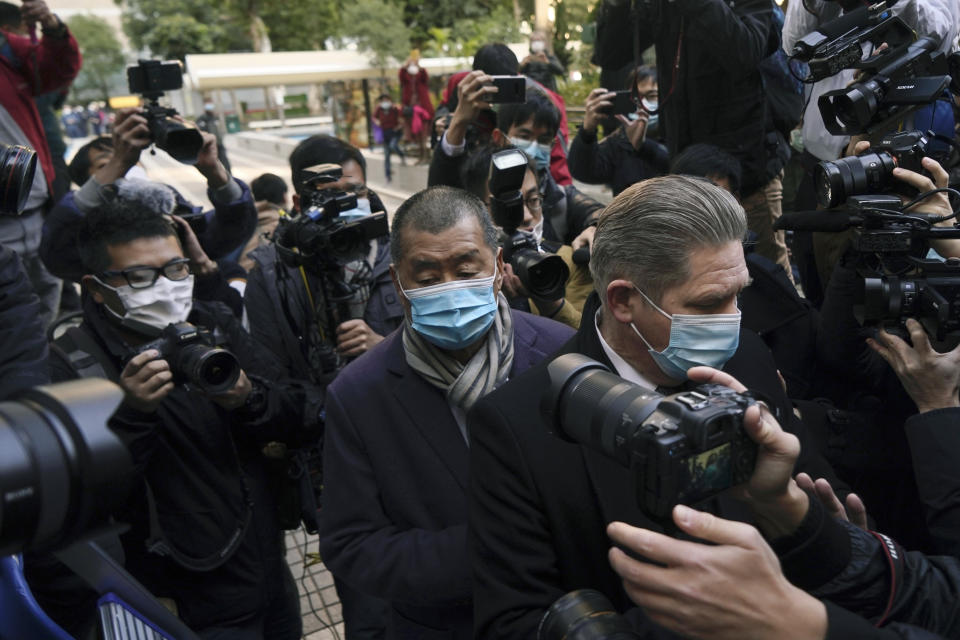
(62, 471)
(584, 614)
(838, 180)
(17, 167)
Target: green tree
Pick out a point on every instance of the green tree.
(102, 58)
(301, 25)
(174, 28)
(378, 28)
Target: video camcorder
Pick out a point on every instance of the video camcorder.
(318, 235)
(544, 275)
(151, 78)
(682, 448)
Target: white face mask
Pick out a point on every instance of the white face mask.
(537, 230)
(208, 106)
(136, 172)
(150, 310)
(386, 104)
(412, 69)
(538, 46)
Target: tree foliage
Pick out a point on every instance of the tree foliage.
(378, 27)
(102, 58)
(174, 28)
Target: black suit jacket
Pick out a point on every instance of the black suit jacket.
(540, 506)
(396, 472)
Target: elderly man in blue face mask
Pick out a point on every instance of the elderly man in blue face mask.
(396, 448)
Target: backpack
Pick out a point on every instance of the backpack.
(783, 92)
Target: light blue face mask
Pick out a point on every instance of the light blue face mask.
(453, 315)
(362, 210)
(695, 340)
(540, 153)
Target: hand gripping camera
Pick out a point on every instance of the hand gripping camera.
(544, 275)
(682, 448)
(151, 78)
(872, 171)
(195, 359)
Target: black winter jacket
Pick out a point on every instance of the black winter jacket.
(874, 589)
(614, 160)
(23, 343)
(279, 309)
(716, 95)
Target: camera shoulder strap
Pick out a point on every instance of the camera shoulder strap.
(88, 359)
(84, 355)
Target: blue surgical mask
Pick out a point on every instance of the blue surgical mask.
(540, 153)
(695, 340)
(362, 210)
(453, 315)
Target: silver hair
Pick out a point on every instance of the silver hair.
(647, 233)
(155, 196)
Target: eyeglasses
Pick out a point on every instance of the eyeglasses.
(144, 277)
(533, 202)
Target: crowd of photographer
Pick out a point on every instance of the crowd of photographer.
(510, 412)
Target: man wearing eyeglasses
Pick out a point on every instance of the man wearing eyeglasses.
(579, 284)
(204, 530)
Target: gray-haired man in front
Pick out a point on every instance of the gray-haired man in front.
(667, 263)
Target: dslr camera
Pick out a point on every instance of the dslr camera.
(319, 237)
(682, 448)
(151, 79)
(195, 358)
(544, 275)
(872, 171)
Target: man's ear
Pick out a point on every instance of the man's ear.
(396, 285)
(93, 288)
(296, 201)
(500, 138)
(500, 269)
(621, 301)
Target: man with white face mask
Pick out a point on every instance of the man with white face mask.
(667, 265)
(396, 446)
(203, 514)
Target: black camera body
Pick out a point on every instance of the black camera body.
(931, 295)
(544, 275)
(195, 358)
(874, 105)
(872, 171)
(151, 78)
(682, 448)
(318, 237)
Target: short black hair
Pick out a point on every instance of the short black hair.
(321, 149)
(117, 222)
(707, 160)
(10, 16)
(79, 168)
(475, 170)
(269, 187)
(385, 95)
(639, 74)
(435, 210)
(496, 59)
(538, 105)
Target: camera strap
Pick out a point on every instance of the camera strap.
(89, 360)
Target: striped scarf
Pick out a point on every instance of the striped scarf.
(464, 384)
